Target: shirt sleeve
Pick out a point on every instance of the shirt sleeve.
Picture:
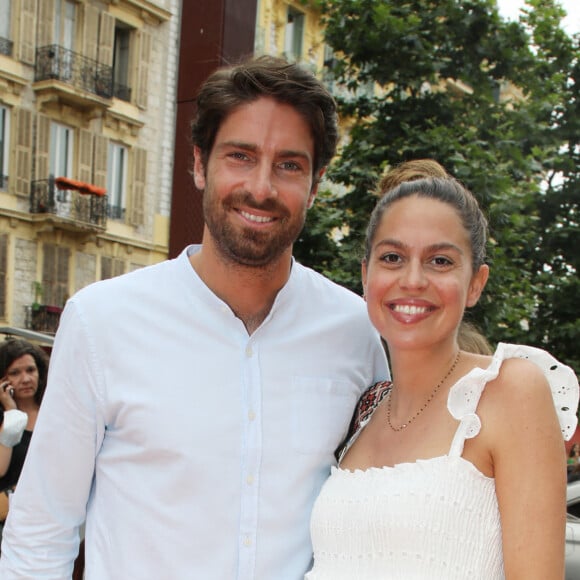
(41, 535)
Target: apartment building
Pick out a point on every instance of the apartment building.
(87, 125)
(292, 29)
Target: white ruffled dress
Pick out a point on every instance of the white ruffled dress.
(434, 518)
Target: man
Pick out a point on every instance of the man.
(194, 406)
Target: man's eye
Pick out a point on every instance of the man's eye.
(238, 156)
(290, 166)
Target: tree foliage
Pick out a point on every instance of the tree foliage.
(439, 70)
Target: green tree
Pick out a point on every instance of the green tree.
(439, 68)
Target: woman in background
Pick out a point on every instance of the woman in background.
(23, 372)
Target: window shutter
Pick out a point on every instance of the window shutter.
(138, 187)
(85, 165)
(48, 280)
(23, 151)
(118, 267)
(46, 14)
(55, 270)
(100, 161)
(42, 151)
(143, 69)
(3, 273)
(106, 38)
(90, 31)
(25, 47)
(62, 293)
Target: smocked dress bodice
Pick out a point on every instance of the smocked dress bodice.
(433, 518)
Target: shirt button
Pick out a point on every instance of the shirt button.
(250, 479)
(249, 351)
(247, 541)
(251, 415)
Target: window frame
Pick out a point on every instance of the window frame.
(117, 158)
(4, 147)
(294, 33)
(56, 166)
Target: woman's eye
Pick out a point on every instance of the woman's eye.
(391, 258)
(442, 261)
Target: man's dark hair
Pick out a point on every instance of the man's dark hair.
(267, 76)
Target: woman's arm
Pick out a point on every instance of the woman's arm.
(529, 461)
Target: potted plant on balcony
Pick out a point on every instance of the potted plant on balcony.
(38, 292)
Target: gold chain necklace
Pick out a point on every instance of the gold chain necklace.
(429, 399)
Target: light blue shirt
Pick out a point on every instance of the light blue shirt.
(193, 449)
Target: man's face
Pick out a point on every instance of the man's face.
(258, 182)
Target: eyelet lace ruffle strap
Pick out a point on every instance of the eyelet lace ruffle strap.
(465, 394)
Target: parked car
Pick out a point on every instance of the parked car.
(573, 531)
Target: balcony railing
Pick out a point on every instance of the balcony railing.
(3, 182)
(6, 46)
(43, 318)
(82, 208)
(53, 62)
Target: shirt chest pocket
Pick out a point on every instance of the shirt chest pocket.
(321, 412)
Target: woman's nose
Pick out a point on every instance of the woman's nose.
(414, 276)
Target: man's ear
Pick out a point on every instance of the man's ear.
(477, 284)
(314, 189)
(198, 169)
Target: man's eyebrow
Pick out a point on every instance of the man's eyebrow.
(286, 153)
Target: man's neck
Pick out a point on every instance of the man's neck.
(249, 291)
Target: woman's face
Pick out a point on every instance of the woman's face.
(419, 278)
(23, 377)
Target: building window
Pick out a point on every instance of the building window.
(61, 149)
(5, 43)
(4, 146)
(121, 60)
(64, 24)
(64, 36)
(111, 267)
(116, 181)
(294, 33)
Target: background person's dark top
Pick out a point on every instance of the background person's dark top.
(16, 462)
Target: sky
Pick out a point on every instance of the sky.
(510, 9)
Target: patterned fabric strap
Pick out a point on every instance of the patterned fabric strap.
(368, 402)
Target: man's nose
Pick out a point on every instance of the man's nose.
(261, 182)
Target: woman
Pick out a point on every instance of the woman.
(430, 485)
(23, 371)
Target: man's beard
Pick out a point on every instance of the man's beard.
(246, 246)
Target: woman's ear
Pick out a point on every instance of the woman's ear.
(363, 269)
(477, 284)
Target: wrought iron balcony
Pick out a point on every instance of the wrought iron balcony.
(6, 46)
(53, 62)
(43, 318)
(84, 206)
